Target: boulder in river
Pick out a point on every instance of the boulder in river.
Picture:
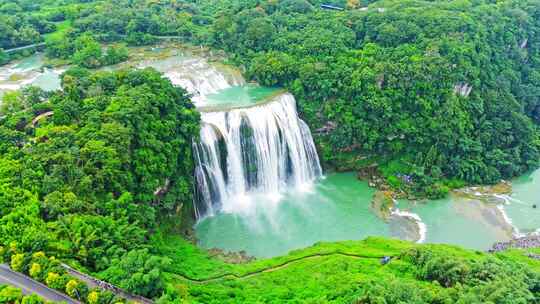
(382, 204)
(404, 228)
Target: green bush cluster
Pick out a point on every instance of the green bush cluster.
(20, 23)
(463, 280)
(85, 51)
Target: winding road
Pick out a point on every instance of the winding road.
(29, 286)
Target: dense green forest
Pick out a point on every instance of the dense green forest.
(23, 22)
(86, 172)
(99, 175)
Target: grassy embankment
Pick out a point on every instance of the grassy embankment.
(325, 272)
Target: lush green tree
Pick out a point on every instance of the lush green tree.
(115, 54)
(138, 271)
(88, 52)
(10, 294)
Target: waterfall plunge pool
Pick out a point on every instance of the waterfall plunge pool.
(335, 208)
(338, 208)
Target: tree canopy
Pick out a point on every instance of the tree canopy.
(88, 172)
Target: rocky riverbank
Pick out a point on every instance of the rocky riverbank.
(382, 204)
(524, 242)
(403, 225)
(240, 257)
(407, 227)
(376, 180)
(492, 194)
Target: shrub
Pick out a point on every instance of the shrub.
(35, 271)
(93, 297)
(17, 262)
(9, 294)
(32, 299)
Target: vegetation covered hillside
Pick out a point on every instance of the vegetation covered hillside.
(352, 272)
(87, 173)
(432, 90)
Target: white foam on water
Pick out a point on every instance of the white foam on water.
(263, 150)
(422, 228)
(506, 218)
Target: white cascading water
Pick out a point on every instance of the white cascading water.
(261, 149)
(200, 78)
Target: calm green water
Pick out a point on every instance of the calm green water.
(240, 96)
(526, 192)
(460, 221)
(28, 71)
(29, 63)
(49, 80)
(337, 208)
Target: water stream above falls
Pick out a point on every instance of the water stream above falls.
(29, 71)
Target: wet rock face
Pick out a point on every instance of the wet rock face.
(463, 89)
(404, 228)
(524, 43)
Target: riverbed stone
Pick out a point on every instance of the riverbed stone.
(382, 204)
(404, 228)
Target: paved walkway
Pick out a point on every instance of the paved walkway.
(24, 47)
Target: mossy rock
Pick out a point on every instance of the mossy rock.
(382, 204)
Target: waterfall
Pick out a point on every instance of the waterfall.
(242, 153)
(261, 149)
